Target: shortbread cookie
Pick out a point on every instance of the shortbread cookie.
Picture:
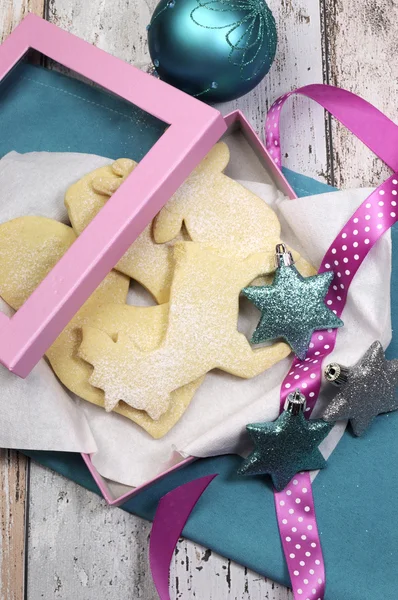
(145, 261)
(146, 326)
(216, 209)
(29, 248)
(201, 334)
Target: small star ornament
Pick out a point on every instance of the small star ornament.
(368, 389)
(293, 306)
(286, 446)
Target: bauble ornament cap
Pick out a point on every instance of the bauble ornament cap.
(295, 403)
(336, 374)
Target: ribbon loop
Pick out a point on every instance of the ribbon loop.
(377, 214)
(346, 254)
(365, 121)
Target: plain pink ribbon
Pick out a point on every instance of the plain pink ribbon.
(365, 121)
(171, 515)
(295, 505)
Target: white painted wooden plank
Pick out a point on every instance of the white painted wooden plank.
(80, 548)
(12, 11)
(361, 57)
(13, 479)
(202, 574)
(13, 466)
(118, 27)
(298, 63)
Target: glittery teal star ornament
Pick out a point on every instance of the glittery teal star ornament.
(286, 446)
(292, 306)
(367, 389)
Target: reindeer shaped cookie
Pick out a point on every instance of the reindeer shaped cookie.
(201, 334)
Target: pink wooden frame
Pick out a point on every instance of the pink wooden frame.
(193, 129)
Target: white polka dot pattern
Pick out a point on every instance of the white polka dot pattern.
(302, 550)
(294, 505)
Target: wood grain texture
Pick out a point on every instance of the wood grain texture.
(360, 55)
(13, 466)
(118, 27)
(13, 476)
(200, 573)
(12, 11)
(81, 548)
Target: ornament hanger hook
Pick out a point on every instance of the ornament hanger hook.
(283, 257)
(295, 403)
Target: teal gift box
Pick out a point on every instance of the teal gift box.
(355, 497)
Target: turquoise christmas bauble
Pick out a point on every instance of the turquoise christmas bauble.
(216, 50)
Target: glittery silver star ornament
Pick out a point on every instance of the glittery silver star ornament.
(286, 446)
(292, 306)
(368, 389)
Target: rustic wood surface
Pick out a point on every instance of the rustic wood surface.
(81, 548)
(12, 11)
(359, 45)
(13, 479)
(77, 546)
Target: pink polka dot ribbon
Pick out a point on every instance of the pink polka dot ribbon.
(300, 539)
(294, 505)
